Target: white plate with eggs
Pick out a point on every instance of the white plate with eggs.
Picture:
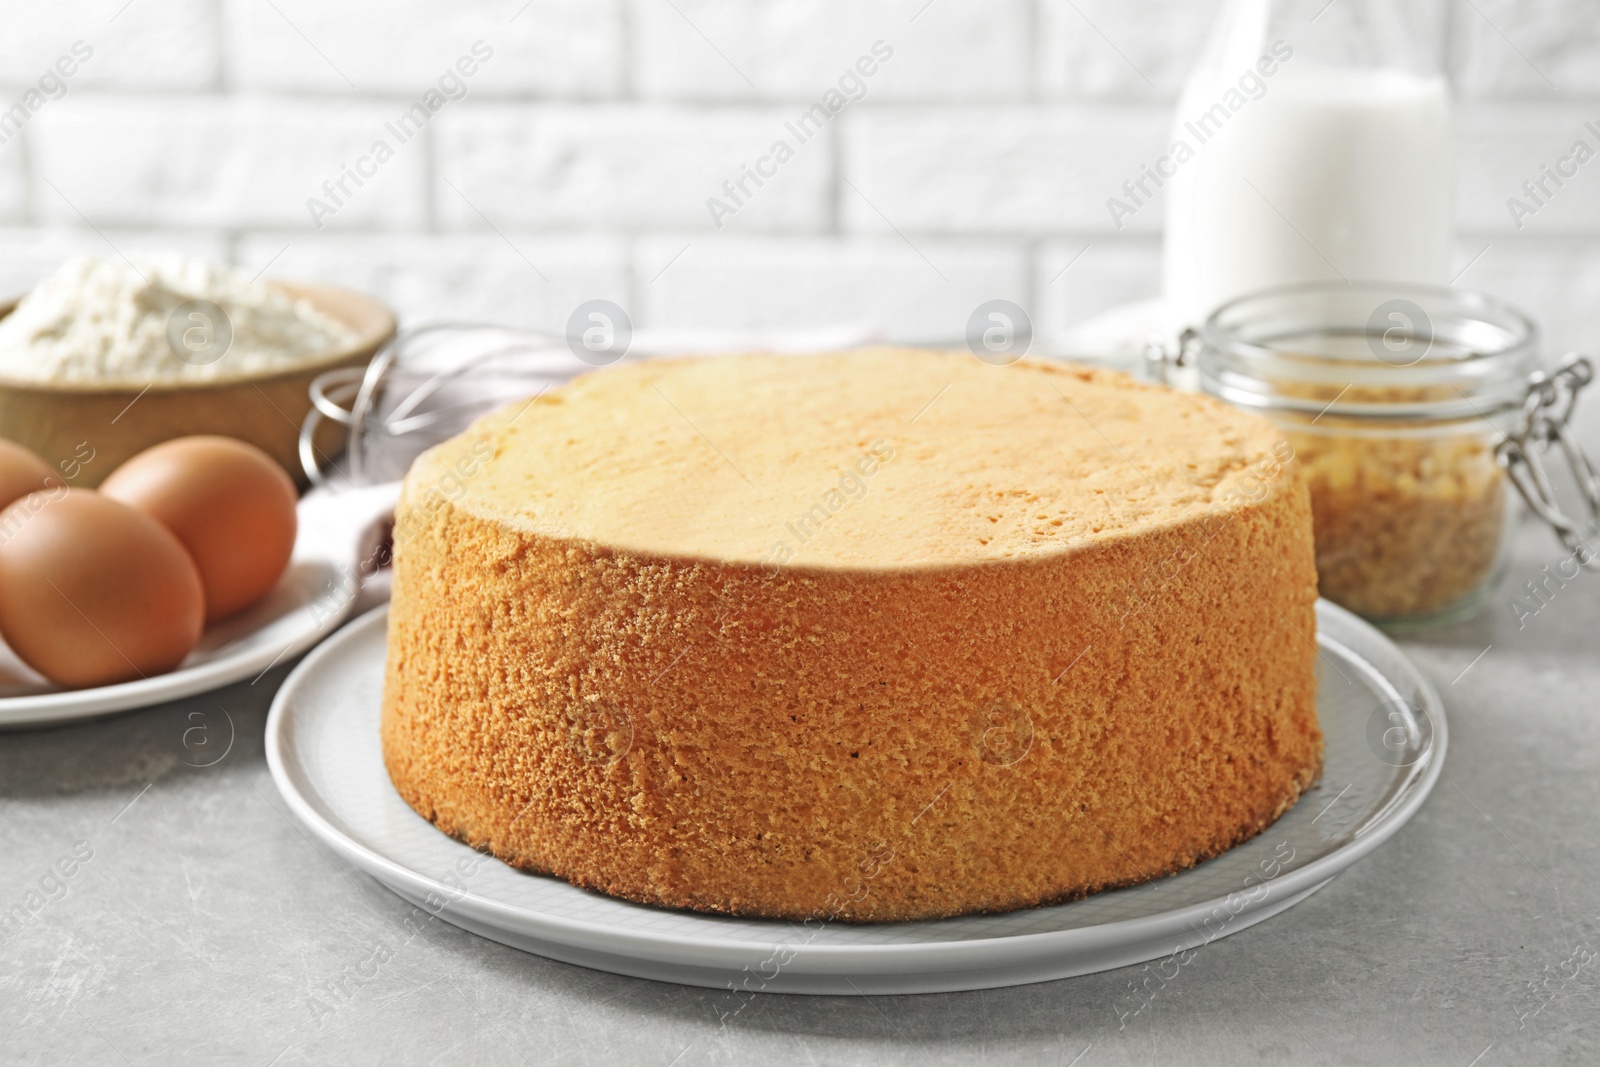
(311, 600)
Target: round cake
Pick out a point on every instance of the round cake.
(876, 635)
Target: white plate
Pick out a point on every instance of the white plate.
(1385, 732)
(312, 599)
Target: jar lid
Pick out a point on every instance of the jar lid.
(1369, 350)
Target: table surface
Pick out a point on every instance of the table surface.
(205, 925)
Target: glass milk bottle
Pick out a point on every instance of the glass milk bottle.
(1312, 143)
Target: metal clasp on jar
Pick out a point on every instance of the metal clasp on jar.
(1546, 418)
(1161, 355)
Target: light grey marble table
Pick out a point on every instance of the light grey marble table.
(205, 926)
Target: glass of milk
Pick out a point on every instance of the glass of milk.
(1312, 143)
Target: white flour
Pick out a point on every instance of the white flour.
(101, 320)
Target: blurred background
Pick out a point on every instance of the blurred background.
(577, 160)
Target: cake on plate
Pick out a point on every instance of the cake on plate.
(876, 635)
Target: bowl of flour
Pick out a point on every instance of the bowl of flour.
(108, 356)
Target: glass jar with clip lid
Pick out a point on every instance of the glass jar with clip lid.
(1412, 411)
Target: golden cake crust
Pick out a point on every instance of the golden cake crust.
(1000, 674)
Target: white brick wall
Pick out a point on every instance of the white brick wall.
(925, 292)
(170, 45)
(954, 50)
(1115, 50)
(1075, 278)
(1556, 279)
(578, 158)
(216, 162)
(618, 167)
(558, 48)
(13, 187)
(1503, 145)
(1527, 48)
(1020, 171)
(519, 279)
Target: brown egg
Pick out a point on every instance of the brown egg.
(229, 503)
(92, 591)
(22, 472)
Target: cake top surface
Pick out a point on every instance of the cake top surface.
(873, 458)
